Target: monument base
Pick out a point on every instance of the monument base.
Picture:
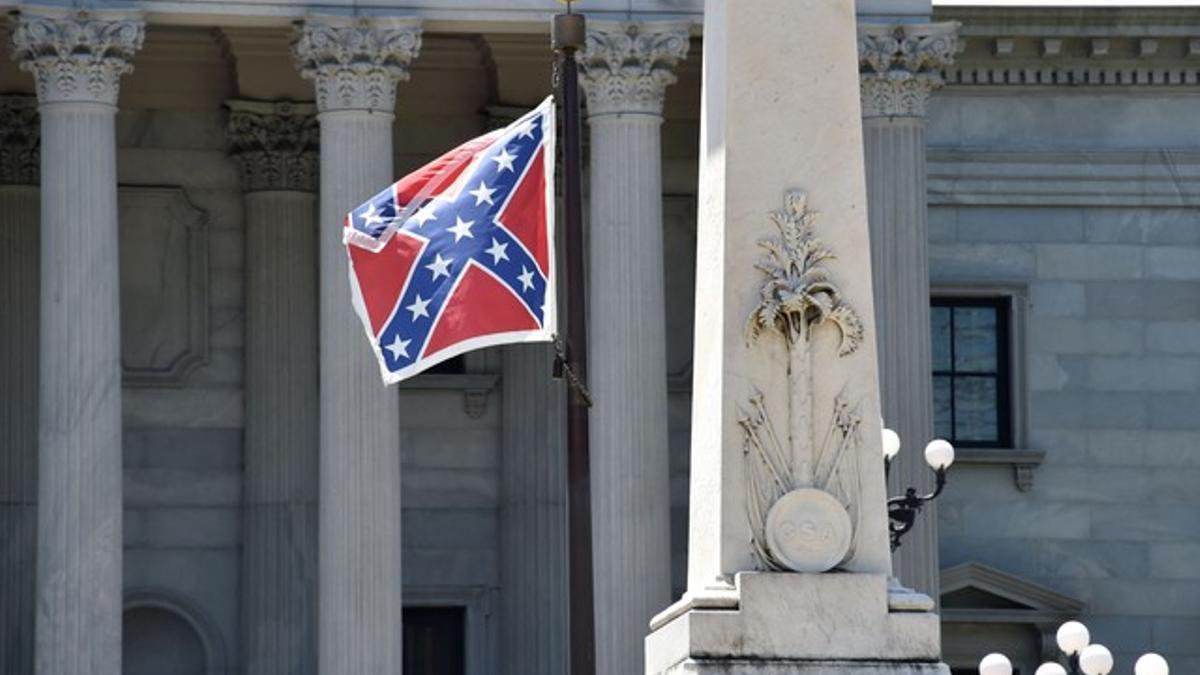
(730, 667)
(775, 623)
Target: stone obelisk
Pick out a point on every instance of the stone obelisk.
(788, 559)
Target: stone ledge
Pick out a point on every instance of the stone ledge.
(760, 667)
(770, 622)
(1023, 461)
(475, 388)
(451, 382)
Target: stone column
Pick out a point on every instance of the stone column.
(626, 70)
(355, 65)
(533, 515)
(900, 66)
(275, 146)
(18, 378)
(77, 59)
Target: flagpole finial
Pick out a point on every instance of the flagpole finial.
(568, 31)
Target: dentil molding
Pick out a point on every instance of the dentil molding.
(77, 55)
(626, 66)
(355, 63)
(20, 135)
(900, 65)
(275, 144)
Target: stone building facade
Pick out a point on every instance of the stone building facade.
(167, 172)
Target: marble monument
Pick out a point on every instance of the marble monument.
(788, 562)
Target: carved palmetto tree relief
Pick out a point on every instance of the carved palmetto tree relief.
(798, 298)
(795, 300)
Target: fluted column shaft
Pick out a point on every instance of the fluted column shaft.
(275, 146)
(77, 60)
(895, 159)
(900, 68)
(18, 379)
(626, 71)
(533, 515)
(355, 67)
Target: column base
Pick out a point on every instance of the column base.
(774, 623)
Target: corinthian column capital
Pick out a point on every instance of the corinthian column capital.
(77, 55)
(275, 144)
(626, 66)
(20, 136)
(900, 65)
(355, 63)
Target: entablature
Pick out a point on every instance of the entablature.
(1075, 47)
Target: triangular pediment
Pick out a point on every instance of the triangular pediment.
(976, 588)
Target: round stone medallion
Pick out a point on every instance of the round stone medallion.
(808, 530)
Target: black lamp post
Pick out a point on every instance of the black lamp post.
(903, 510)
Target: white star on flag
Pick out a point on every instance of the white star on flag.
(482, 194)
(526, 278)
(399, 348)
(440, 266)
(424, 215)
(504, 161)
(462, 229)
(497, 251)
(418, 308)
(371, 217)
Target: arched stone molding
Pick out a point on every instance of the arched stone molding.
(216, 655)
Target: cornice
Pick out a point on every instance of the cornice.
(20, 136)
(76, 56)
(1076, 47)
(1015, 60)
(1074, 21)
(626, 66)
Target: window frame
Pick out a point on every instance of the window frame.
(1020, 457)
(1004, 371)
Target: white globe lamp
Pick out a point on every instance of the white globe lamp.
(1072, 637)
(1096, 660)
(1050, 669)
(939, 454)
(995, 664)
(1151, 664)
(891, 444)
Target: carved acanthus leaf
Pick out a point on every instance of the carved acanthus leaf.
(20, 136)
(275, 144)
(355, 64)
(76, 56)
(901, 65)
(626, 66)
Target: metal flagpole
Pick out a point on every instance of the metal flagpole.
(567, 37)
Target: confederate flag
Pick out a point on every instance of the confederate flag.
(459, 255)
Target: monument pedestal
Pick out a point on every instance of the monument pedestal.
(799, 624)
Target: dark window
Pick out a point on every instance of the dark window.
(434, 641)
(971, 376)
